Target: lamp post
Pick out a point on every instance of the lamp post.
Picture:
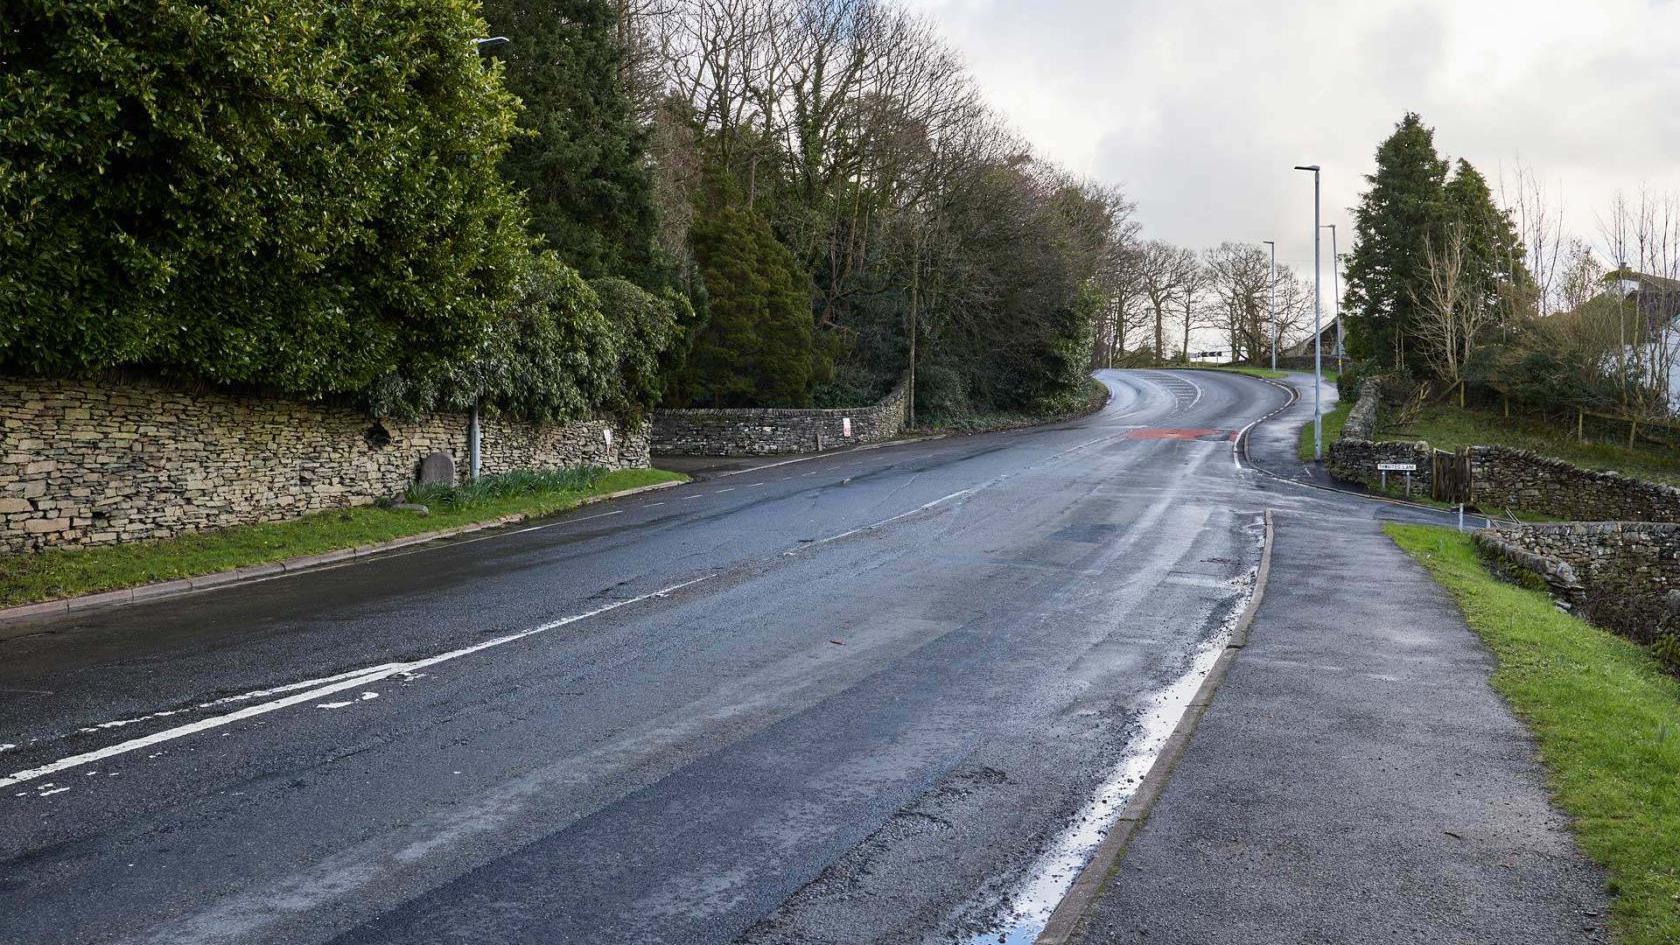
(1271, 301)
(1336, 289)
(474, 432)
(1318, 340)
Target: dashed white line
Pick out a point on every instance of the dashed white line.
(338, 683)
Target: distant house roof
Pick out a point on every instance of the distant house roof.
(1331, 338)
(1655, 297)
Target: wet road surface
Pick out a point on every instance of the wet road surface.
(843, 700)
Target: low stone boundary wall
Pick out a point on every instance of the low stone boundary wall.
(1353, 460)
(1501, 477)
(87, 463)
(1624, 576)
(772, 430)
(1354, 456)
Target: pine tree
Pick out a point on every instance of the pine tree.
(1399, 214)
(757, 347)
(581, 159)
(1493, 253)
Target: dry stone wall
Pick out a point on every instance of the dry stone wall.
(1355, 455)
(769, 431)
(1621, 575)
(89, 463)
(1501, 477)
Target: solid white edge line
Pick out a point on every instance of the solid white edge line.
(342, 682)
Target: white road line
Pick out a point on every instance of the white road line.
(872, 525)
(721, 491)
(352, 680)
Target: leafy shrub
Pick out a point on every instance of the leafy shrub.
(295, 195)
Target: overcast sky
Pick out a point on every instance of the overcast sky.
(1199, 108)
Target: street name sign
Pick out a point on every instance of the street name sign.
(1397, 467)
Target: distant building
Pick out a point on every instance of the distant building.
(1330, 337)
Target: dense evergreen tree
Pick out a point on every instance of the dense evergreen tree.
(1398, 215)
(756, 348)
(1493, 253)
(580, 160)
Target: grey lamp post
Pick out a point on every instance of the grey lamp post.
(1271, 301)
(474, 433)
(1318, 339)
(1336, 289)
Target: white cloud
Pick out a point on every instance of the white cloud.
(1200, 107)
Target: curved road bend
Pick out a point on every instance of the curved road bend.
(842, 700)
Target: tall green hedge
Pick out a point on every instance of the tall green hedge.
(297, 195)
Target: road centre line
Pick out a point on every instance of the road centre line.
(331, 684)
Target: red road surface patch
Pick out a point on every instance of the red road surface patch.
(1203, 434)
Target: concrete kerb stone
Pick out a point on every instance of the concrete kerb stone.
(261, 572)
(1089, 884)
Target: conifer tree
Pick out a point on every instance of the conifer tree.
(581, 158)
(1399, 214)
(757, 347)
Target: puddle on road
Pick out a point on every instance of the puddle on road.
(1027, 909)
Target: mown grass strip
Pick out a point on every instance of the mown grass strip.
(1333, 420)
(1607, 719)
(48, 575)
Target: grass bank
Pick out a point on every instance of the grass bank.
(27, 578)
(1447, 427)
(1333, 421)
(1607, 719)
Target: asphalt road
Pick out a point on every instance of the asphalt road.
(852, 699)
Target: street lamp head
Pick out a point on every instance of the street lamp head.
(490, 42)
(1268, 242)
(1307, 167)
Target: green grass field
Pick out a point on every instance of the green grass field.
(1607, 719)
(1332, 424)
(1447, 427)
(26, 578)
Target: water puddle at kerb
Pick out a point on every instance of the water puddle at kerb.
(1028, 909)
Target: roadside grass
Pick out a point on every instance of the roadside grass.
(1607, 719)
(1333, 421)
(1447, 427)
(55, 573)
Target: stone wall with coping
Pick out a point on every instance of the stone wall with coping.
(770, 431)
(1502, 477)
(1621, 575)
(98, 462)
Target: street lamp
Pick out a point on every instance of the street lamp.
(475, 434)
(1318, 340)
(1336, 289)
(1271, 301)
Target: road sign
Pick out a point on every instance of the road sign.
(1397, 467)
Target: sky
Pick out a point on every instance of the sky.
(1199, 108)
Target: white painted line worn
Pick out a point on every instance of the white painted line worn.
(339, 683)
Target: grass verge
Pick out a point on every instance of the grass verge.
(56, 573)
(1447, 427)
(1333, 421)
(1607, 719)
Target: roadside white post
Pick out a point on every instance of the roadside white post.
(1318, 330)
